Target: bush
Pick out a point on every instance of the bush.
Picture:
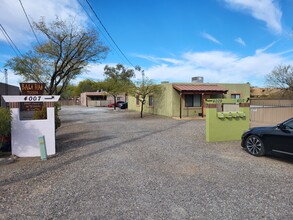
(5, 124)
(43, 115)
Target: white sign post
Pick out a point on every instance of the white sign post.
(25, 133)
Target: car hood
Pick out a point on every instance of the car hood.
(263, 128)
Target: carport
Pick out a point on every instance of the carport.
(94, 98)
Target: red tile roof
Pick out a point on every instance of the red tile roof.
(199, 88)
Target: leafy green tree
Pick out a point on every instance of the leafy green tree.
(144, 88)
(66, 50)
(69, 92)
(118, 80)
(89, 85)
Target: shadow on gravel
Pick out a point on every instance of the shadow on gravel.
(276, 156)
(63, 145)
(281, 157)
(58, 166)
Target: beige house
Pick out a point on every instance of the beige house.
(98, 99)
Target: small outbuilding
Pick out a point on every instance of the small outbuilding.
(98, 99)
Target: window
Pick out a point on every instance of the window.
(289, 124)
(137, 100)
(193, 100)
(235, 96)
(151, 101)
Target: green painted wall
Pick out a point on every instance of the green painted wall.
(162, 103)
(243, 89)
(226, 129)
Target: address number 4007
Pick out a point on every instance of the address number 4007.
(32, 98)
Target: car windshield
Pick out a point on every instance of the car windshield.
(289, 124)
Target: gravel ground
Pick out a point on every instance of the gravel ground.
(114, 165)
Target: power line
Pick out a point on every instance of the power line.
(10, 42)
(15, 49)
(100, 31)
(109, 34)
(29, 22)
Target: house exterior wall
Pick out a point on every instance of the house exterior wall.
(87, 99)
(164, 102)
(162, 105)
(83, 99)
(242, 89)
(168, 102)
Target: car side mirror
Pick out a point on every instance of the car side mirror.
(281, 126)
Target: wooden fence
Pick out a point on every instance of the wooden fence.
(69, 102)
(265, 112)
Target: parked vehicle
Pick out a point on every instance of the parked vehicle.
(117, 104)
(261, 140)
(124, 105)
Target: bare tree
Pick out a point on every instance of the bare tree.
(144, 88)
(66, 50)
(281, 77)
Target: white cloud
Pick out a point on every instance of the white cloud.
(157, 59)
(261, 50)
(264, 10)
(214, 66)
(218, 66)
(15, 23)
(211, 59)
(240, 41)
(211, 38)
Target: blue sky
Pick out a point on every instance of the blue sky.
(227, 41)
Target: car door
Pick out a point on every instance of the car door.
(283, 137)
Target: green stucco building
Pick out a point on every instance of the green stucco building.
(187, 99)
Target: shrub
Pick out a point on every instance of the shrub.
(5, 123)
(43, 115)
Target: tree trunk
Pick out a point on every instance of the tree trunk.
(114, 102)
(141, 109)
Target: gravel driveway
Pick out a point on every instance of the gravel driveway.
(114, 165)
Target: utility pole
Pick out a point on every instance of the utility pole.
(142, 74)
(6, 81)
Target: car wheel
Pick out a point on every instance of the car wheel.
(255, 146)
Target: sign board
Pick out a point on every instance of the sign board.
(32, 89)
(31, 98)
(226, 101)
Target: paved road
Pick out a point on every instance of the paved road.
(114, 165)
